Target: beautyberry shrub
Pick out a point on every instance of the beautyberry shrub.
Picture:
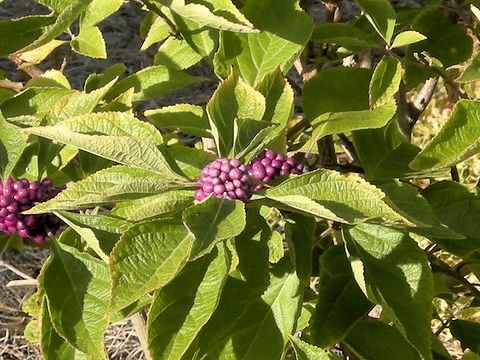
(224, 178)
(270, 165)
(18, 196)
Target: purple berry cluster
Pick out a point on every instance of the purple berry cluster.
(270, 165)
(18, 196)
(224, 178)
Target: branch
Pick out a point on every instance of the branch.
(437, 266)
(7, 84)
(138, 322)
(154, 8)
(421, 100)
(409, 113)
(15, 270)
(349, 148)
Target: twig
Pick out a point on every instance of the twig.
(335, 226)
(421, 100)
(454, 173)
(15, 270)
(298, 127)
(154, 8)
(7, 84)
(349, 148)
(326, 151)
(409, 113)
(22, 283)
(437, 266)
(297, 87)
(138, 322)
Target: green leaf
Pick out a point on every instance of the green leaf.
(22, 32)
(53, 346)
(341, 303)
(204, 40)
(50, 78)
(384, 152)
(300, 236)
(190, 160)
(337, 122)
(183, 307)
(158, 31)
(337, 90)
(458, 207)
(345, 35)
(108, 186)
(190, 119)
(472, 72)
(77, 289)
(113, 124)
(406, 200)
(95, 81)
(279, 98)
(458, 139)
(381, 15)
(403, 288)
(201, 15)
(306, 351)
(126, 150)
(226, 9)
(468, 332)
(155, 206)
(54, 104)
(65, 18)
(406, 38)
(388, 344)
(234, 99)
(176, 54)
(248, 135)
(349, 197)
(99, 10)
(12, 144)
(100, 232)
(445, 42)
(385, 81)
(255, 55)
(301, 204)
(56, 5)
(152, 82)
(275, 248)
(246, 284)
(212, 221)
(262, 328)
(147, 257)
(90, 42)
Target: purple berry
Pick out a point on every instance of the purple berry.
(270, 170)
(229, 186)
(47, 182)
(224, 177)
(219, 189)
(269, 165)
(226, 167)
(20, 195)
(235, 174)
(270, 154)
(200, 195)
(277, 164)
(4, 201)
